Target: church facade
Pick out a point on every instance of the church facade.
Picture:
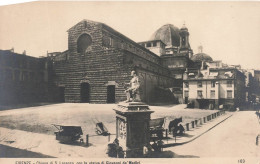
(98, 62)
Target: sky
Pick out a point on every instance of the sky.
(228, 31)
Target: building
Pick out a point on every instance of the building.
(214, 84)
(23, 78)
(252, 86)
(256, 91)
(98, 62)
(175, 53)
(257, 77)
(97, 65)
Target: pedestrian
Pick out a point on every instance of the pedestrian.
(120, 152)
(181, 129)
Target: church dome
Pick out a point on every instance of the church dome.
(201, 57)
(169, 34)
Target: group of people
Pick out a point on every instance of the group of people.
(115, 150)
(156, 147)
(175, 127)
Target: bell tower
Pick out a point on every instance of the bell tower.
(184, 37)
(184, 42)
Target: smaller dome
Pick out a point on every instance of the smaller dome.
(201, 57)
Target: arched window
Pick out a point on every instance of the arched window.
(84, 41)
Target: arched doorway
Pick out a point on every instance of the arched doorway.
(111, 94)
(84, 93)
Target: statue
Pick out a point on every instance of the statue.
(132, 93)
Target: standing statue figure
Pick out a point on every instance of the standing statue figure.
(132, 93)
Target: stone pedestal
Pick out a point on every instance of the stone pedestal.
(132, 127)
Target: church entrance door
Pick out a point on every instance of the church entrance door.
(84, 93)
(111, 94)
(61, 94)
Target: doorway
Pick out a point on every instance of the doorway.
(186, 99)
(84, 93)
(211, 104)
(111, 95)
(61, 94)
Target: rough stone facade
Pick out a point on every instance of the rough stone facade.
(107, 60)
